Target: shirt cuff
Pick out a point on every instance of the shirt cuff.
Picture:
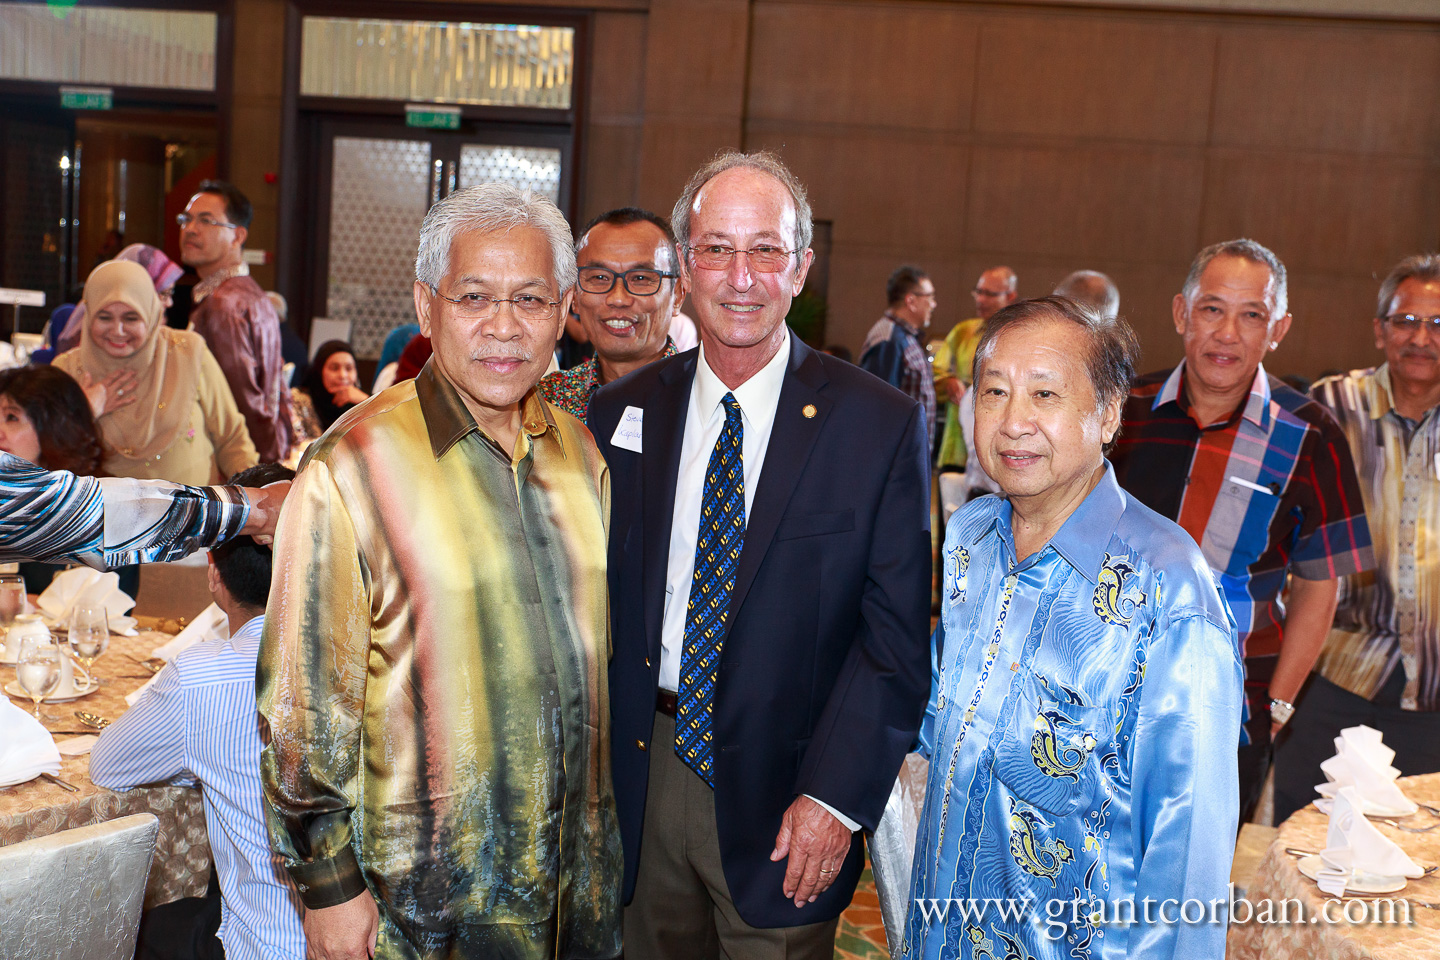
(327, 883)
(850, 825)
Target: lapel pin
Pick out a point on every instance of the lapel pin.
(809, 411)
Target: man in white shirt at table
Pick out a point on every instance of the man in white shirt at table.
(198, 722)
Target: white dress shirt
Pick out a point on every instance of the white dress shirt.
(758, 398)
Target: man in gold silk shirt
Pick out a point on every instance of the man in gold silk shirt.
(433, 668)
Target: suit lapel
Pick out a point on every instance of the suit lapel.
(661, 436)
(791, 439)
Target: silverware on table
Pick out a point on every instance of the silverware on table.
(153, 664)
(92, 720)
(60, 783)
(1400, 826)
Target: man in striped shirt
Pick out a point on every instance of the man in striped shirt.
(198, 722)
(1381, 662)
(1258, 474)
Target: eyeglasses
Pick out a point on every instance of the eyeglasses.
(982, 292)
(639, 282)
(765, 258)
(184, 219)
(478, 306)
(1410, 323)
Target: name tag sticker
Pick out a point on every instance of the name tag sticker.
(1437, 464)
(628, 430)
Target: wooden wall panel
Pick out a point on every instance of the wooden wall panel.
(1351, 89)
(1332, 328)
(1095, 201)
(1095, 76)
(819, 63)
(616, 108)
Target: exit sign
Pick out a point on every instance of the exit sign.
(87, 98)
(432, 116)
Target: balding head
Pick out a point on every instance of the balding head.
(1093, 289)
(994, 291)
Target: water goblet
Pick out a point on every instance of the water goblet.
(89, 633)
(38, 671)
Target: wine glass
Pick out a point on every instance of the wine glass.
(89, 632)
(12, 598)
(38, 671)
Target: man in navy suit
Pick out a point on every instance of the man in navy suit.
(769, 583)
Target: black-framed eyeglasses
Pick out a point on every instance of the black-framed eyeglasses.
(479, 306)
(639, 282)
(1409, 322)
(763, 257)
(205, 220)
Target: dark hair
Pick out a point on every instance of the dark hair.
(237, 206)
(1421, 266)
(243, 564)
(61, 416)
(902, 283)
(624, 217)
(313, 383)
(1113, 347)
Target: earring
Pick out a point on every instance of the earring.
(1274, 344)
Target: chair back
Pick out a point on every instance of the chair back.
(76, 894)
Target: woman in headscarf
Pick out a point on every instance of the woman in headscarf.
(184, 425)
(330, 386)
(163, 273)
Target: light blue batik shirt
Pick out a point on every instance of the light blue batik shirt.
(1081, 730)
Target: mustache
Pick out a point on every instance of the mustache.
(1421, 353)
(502, 353)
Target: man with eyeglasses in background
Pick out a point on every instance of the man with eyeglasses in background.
(433, 662)
(995, 290)
(893, 349)
(234, 316)
(628, 292)
(1380, 665)
(1257, 473)
(769, 584)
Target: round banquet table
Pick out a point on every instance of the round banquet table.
(38, 808)
(1278, 877)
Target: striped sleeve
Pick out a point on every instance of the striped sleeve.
(48, 515)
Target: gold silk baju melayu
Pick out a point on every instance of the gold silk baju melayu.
(433, 671)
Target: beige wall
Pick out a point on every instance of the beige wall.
(960, 134)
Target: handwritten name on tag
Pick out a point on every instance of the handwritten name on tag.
(628, 430)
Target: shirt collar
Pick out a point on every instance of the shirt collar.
(1383, 402)
(248, 635)
(1257, 404)
(1083, 540)
(755, 395)
(903, 324)
(212, 283)
(448, 420)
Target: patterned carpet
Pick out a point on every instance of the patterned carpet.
(862, 934)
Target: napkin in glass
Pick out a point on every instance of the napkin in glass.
(1353, 846)
(81, 583)
(27, 749)
(1362, 761)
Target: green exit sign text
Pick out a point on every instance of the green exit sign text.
(87, 98)
(432, 117)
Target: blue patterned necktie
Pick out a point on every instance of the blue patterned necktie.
(717, 555)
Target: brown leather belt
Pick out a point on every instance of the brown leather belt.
(667, 702)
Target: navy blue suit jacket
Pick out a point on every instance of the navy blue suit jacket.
(825, 666)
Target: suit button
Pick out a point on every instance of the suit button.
(640, 744)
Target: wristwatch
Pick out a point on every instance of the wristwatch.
(1281, 710)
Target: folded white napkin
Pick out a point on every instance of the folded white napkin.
(1353, 846)
(26, 748)
(210, 624)
(81, 583)
(1362, 761)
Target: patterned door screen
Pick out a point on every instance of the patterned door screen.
(379, 195)
(529, 168)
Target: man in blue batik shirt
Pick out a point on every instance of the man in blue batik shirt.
(1085, 701)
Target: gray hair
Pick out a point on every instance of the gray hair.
(490, 207)
(1421, 266)
(1113, 347)
(1248, 250)
(763, 161)
(1092, 288)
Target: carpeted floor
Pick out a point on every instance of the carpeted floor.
(862, 934)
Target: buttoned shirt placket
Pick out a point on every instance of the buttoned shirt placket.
(1417, 469)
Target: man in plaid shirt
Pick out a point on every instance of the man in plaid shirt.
(893, 350)
(1259, 474)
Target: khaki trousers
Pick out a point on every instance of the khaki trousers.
(682, 908)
